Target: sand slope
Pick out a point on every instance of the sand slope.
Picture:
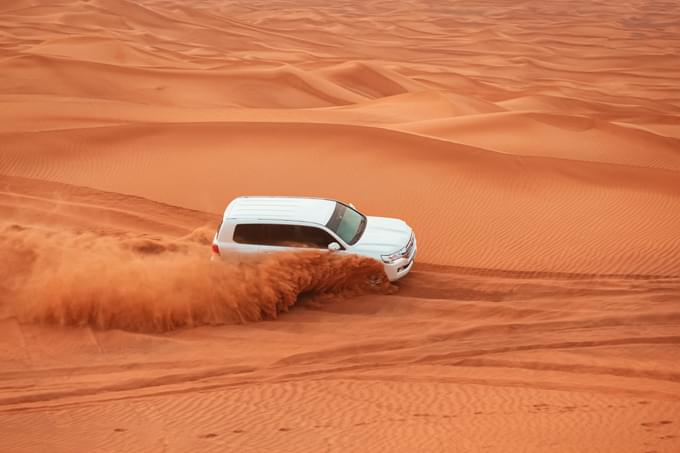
(459, 358)
(534, 148)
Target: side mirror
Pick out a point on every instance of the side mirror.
(333, 246)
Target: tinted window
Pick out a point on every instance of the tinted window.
(282, 235)
(315, 237)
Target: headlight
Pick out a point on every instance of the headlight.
(391, 258)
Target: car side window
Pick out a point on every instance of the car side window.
(250, 233)
(282, 235)
(314, 237)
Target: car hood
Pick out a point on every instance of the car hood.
(384, 235)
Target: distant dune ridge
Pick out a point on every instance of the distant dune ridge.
(534, 147)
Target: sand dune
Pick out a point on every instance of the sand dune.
(534, 148)
(456, 347)
(369, 80)
(101, 50)
(557, 135)
(523, 226)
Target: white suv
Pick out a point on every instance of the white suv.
(267, 224)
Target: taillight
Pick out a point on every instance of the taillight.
(215, 249)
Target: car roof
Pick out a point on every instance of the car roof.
(295, 209)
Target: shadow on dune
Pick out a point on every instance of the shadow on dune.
(156, 284)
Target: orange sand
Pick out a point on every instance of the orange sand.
(534, 147)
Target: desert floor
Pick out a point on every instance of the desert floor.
(533, 146)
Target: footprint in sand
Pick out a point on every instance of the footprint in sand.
(207, 436)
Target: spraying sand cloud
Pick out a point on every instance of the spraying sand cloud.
(156, 284)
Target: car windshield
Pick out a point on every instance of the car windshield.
(347, 223)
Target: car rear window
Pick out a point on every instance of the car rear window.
(282, 235)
